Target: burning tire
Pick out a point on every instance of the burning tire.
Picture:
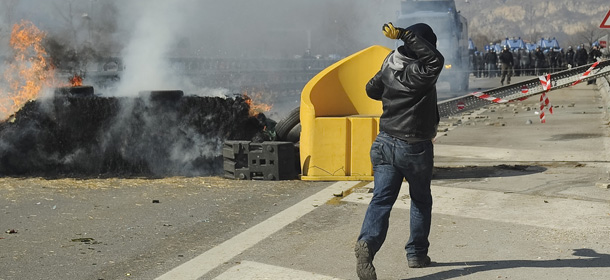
(75, 91)
(162, 95)
(283, 127)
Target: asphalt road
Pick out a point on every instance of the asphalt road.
(115, 229)
(514, 199)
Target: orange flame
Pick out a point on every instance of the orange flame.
(76, 81)
(28, 72)
(256, 104)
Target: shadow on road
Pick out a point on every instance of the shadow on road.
(473, 172)
(588, 258)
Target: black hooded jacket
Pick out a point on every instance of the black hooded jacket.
(406, 85)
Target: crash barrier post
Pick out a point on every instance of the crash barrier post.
(339, 122)
(269, 160)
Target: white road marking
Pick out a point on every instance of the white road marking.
(555, 213)
(506, 154)
(224, 252)
(259, 271)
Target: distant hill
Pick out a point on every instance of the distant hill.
(571, 22)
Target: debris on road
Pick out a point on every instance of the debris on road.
(83, 239)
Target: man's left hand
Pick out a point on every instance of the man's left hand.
(393, 32)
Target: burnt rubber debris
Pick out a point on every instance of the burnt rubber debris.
(154, 134)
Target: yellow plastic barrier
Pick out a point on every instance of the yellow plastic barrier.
(339, 122)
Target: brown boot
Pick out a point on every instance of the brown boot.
(364, 257)
(419, 262)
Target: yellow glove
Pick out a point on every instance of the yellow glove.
(393, 32)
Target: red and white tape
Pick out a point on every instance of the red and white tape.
(544, 100)
(584, 75)
(545, 103)
(542, 118)
(546, 82)
(489, 97)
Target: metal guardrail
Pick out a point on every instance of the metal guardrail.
(523, 89)
(232, 73)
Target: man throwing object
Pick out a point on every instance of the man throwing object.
(406, 86)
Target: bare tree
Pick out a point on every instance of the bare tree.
(590, 34)
(535, 35)
(65, 9)
(103, 24)
(480, 40)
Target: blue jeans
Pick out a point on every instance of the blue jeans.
(394, 159)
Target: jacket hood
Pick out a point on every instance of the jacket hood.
(424, 31)
(397, 61)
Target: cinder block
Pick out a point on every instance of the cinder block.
(259, 161)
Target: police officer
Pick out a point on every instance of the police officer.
(491, 59)
(540, 61)
(594, 54)
(570, 57)
(525, 61)
(581, 55)
(506, 65)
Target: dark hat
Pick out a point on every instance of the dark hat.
(424, 31)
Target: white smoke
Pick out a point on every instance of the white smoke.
(146, 34)
(156, 27)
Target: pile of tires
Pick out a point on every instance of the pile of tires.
(289, 128)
